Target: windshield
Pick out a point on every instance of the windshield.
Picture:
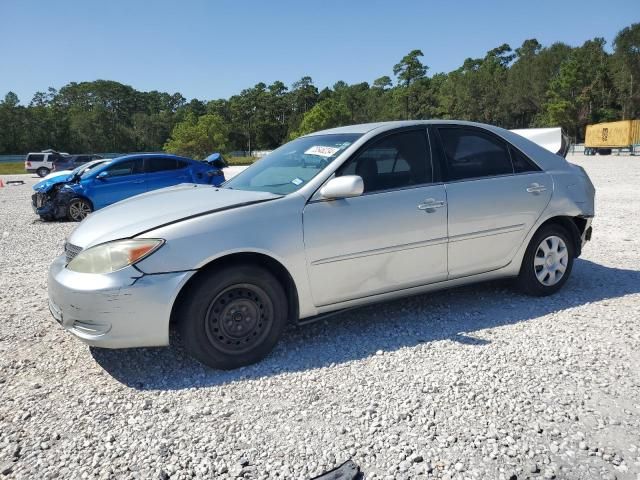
(292, 165)
(83, 170)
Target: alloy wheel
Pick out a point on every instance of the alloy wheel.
(78, 210)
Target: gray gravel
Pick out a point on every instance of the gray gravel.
(478, 382)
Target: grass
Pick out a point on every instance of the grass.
(9, 168)
(240, 160)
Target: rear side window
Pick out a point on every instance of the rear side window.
(35, 158)
(470, 153)
(161, 164)
(399, 160)
(521, 163)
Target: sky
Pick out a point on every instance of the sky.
(210, 49)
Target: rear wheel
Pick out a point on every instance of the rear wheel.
(232, 317)
(548, 261)
(78, 209)
(42, 172)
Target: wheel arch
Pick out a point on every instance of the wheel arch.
(251, 258)
(82, 197)
(574, 225)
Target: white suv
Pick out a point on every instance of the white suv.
(41, 162)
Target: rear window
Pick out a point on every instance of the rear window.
(35, 158)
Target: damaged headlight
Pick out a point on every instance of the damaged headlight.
(113, 256)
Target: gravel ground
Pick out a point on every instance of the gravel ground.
(477, 382)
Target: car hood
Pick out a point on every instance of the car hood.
(151, 210)
(46, 184)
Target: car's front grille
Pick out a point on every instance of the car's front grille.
(71, 251)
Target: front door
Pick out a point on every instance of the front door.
(390, 238)
(124, 179)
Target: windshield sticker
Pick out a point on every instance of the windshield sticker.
(297, 181)
(321, 151)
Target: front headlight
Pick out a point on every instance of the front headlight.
(112, 256)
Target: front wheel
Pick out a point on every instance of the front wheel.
(548, 261)
(233, 316)
(78, 209)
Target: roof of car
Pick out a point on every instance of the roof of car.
(153, 155)
(363, 128)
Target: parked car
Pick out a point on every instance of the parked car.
(71, 162)
(116, 180)
(48, 201)
(41, 163)
(331, 220)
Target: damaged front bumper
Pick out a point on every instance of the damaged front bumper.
(121, 309)
(46, 207)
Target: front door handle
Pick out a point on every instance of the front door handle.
(138, 181)
(430, 204)
(536, 188)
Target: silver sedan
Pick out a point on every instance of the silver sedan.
(331, 220)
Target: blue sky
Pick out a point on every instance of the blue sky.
(213, 49)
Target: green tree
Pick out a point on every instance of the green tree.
(326, 114)
(625, 67)
(409, 71)
(198, 137)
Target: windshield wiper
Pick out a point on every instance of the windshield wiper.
(278, 184)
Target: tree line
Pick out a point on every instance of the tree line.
(529, 86)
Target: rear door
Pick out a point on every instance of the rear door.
(390, 238)
(124, 179)
(495, 195)
(165, 172)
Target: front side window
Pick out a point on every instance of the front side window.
(127, 167)
(291, 166)
(471, 153)
(396, 161)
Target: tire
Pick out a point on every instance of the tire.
(232, 317)
(78, 209)
(42, 172)
(548, 261)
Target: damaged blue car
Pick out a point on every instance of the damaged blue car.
(101, 183)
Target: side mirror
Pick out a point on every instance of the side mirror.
(343, 187)
(102, 175)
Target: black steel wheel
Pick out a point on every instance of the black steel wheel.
(239, 318)
(232, 316)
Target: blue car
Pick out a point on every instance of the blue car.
(94, 186)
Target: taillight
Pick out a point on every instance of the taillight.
(28, 163)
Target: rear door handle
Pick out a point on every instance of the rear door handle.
(536, 188)
(430, 204)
